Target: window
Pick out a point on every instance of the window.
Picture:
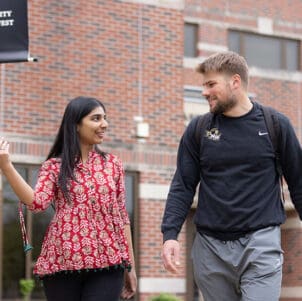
(17, 264)
(132, 209)
(266, 51)
(194, 103)
(193, 94)
(14, 259)
(190, 40)
(131, 196)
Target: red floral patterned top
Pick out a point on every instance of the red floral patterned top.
(87, 232)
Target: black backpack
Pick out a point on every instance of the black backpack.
(272, 124)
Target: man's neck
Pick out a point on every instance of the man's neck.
(242, 107)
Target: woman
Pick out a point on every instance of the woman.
(87, 250)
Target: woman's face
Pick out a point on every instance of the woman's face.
(92, 127)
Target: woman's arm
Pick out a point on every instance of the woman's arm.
(130, 284)
(130, 281)
(128, 235)
(23, 191)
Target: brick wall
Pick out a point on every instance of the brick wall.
(93, 48)
(98, 48)
(94, 51)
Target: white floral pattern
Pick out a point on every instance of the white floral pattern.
(87, 232)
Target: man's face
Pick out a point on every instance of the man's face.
(217, 89)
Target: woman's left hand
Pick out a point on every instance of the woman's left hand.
(130, 285)
(4, 154)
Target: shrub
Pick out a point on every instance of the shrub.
(26, 287)
(165, 297)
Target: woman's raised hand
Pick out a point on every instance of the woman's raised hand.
(4, 153)
(24, 192)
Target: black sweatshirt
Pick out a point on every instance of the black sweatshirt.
(239, 188)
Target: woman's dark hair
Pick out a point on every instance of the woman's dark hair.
(66, 145)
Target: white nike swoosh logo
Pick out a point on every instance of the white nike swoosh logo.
(262, 133)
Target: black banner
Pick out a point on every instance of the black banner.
(13, 31)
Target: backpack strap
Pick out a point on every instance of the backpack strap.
(273, 127)
(201, 125)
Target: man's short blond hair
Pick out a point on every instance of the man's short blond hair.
(228, 62)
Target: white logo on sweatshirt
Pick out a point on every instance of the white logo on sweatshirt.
(262, 133)
(213, 134)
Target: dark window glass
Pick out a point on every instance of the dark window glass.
(17, 264)
(190, 40)
(234, 41)
(193, 95)
(129, 183)
(131, 206)
(13, 255)
(292, 55)
(265, 51)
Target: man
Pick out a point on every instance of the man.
(237, 251)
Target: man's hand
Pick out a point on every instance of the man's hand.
(170, 255)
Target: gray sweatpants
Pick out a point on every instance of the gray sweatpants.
(247, 269)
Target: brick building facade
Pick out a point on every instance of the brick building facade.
(130, 54)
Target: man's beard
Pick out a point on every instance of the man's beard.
(222, 107)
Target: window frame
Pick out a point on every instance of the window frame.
(283, 41)
(135, 220)
(193, 48)
(28, 171)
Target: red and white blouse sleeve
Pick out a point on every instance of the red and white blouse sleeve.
(46, 186)
(120, 192)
